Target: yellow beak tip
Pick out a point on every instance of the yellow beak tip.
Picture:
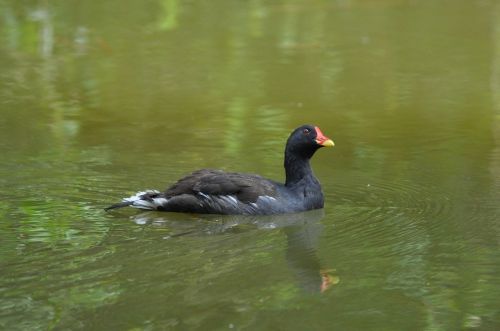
(328, 143)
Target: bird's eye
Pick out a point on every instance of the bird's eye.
(306, 131)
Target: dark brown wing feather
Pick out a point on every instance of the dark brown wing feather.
(246, 187)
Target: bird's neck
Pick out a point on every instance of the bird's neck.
(297, 168)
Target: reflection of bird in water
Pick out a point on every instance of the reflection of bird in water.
(302, 239)
(328, 279)
(301, 229)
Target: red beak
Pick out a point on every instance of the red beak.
(323, 140)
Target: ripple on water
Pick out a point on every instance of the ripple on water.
(392, 216)
(395, 198)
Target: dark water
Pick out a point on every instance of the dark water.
(99, 99)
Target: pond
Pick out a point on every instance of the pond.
(101, 99)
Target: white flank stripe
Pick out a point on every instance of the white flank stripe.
(266, 197)
(230, 199)
(203, 195)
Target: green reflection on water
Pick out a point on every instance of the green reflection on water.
(100, 99)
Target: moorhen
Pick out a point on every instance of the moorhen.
(210, 191)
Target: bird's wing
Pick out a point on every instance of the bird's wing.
(245, 187)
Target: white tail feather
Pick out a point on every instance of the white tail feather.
(141, 201)
(139, 195)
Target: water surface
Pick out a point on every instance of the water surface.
(101, 99)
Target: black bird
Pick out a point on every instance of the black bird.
(210, 191)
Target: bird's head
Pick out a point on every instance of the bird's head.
(306, 139)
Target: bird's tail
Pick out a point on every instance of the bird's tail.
(148, 200)
(119, 205)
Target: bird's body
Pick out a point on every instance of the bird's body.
(210, 191)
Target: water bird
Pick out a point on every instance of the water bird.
(209, 191)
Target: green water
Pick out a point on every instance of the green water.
(100, 99)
